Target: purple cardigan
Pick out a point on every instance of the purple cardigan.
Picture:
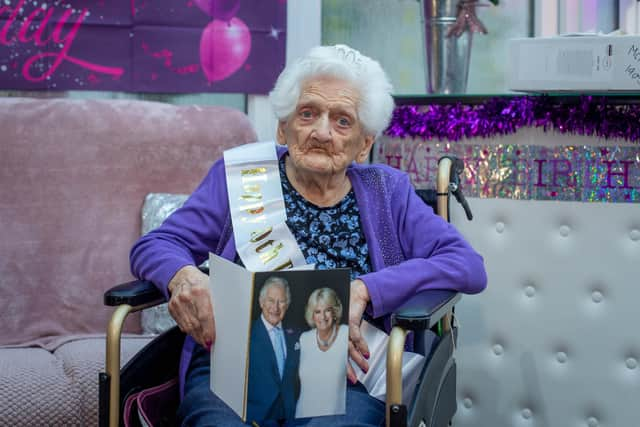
(410, 247)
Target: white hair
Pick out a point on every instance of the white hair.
(327, 296)
(273, 281)
(376, 103)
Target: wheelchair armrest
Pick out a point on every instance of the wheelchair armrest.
(136, 293)
(425, 309)
(127, 298)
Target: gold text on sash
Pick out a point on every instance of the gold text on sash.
(253, 208)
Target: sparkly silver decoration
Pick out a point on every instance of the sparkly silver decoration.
(157, 207)
(568, 173)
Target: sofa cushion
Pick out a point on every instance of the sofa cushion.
(74, 174)
(60, 388)
(33, 385)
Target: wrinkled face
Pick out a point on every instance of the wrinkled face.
(323, 316)
(324, 133)
(274, 304)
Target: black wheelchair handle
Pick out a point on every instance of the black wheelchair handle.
(137, 292)
(463, 201)
(424, 309)
(457, 167)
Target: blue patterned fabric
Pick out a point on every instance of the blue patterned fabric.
(328, 237)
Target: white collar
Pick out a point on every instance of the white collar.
(268, 325)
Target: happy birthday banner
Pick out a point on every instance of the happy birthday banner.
(173, 46)
(523, 171)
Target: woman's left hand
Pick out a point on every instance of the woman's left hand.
(358, 349)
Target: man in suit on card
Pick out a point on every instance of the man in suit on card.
(274, 355)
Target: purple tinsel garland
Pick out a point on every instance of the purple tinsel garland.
(502, 116)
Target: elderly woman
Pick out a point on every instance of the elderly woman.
(330, 106)
(322, 391)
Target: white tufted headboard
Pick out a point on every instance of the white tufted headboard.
(554, 340)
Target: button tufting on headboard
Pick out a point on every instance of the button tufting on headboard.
(553, 340)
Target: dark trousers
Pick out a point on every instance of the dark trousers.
(200, 407)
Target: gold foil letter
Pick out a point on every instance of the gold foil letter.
(271, 254)
(256, 236)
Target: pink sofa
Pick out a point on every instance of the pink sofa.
(73, 177)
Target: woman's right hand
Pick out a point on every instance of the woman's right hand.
(190, 305)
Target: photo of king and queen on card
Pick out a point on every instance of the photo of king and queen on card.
(281, 341)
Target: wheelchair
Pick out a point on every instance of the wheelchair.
(428, 315)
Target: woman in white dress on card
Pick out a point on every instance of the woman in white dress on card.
(323, 357)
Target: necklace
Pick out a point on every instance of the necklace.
(328, 342)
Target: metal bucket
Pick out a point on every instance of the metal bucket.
(447, 58)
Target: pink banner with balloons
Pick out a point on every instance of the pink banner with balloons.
(170, 46)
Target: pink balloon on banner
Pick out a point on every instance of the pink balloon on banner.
(219, 9)
(224, 46)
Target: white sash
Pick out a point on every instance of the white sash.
(263, 240)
